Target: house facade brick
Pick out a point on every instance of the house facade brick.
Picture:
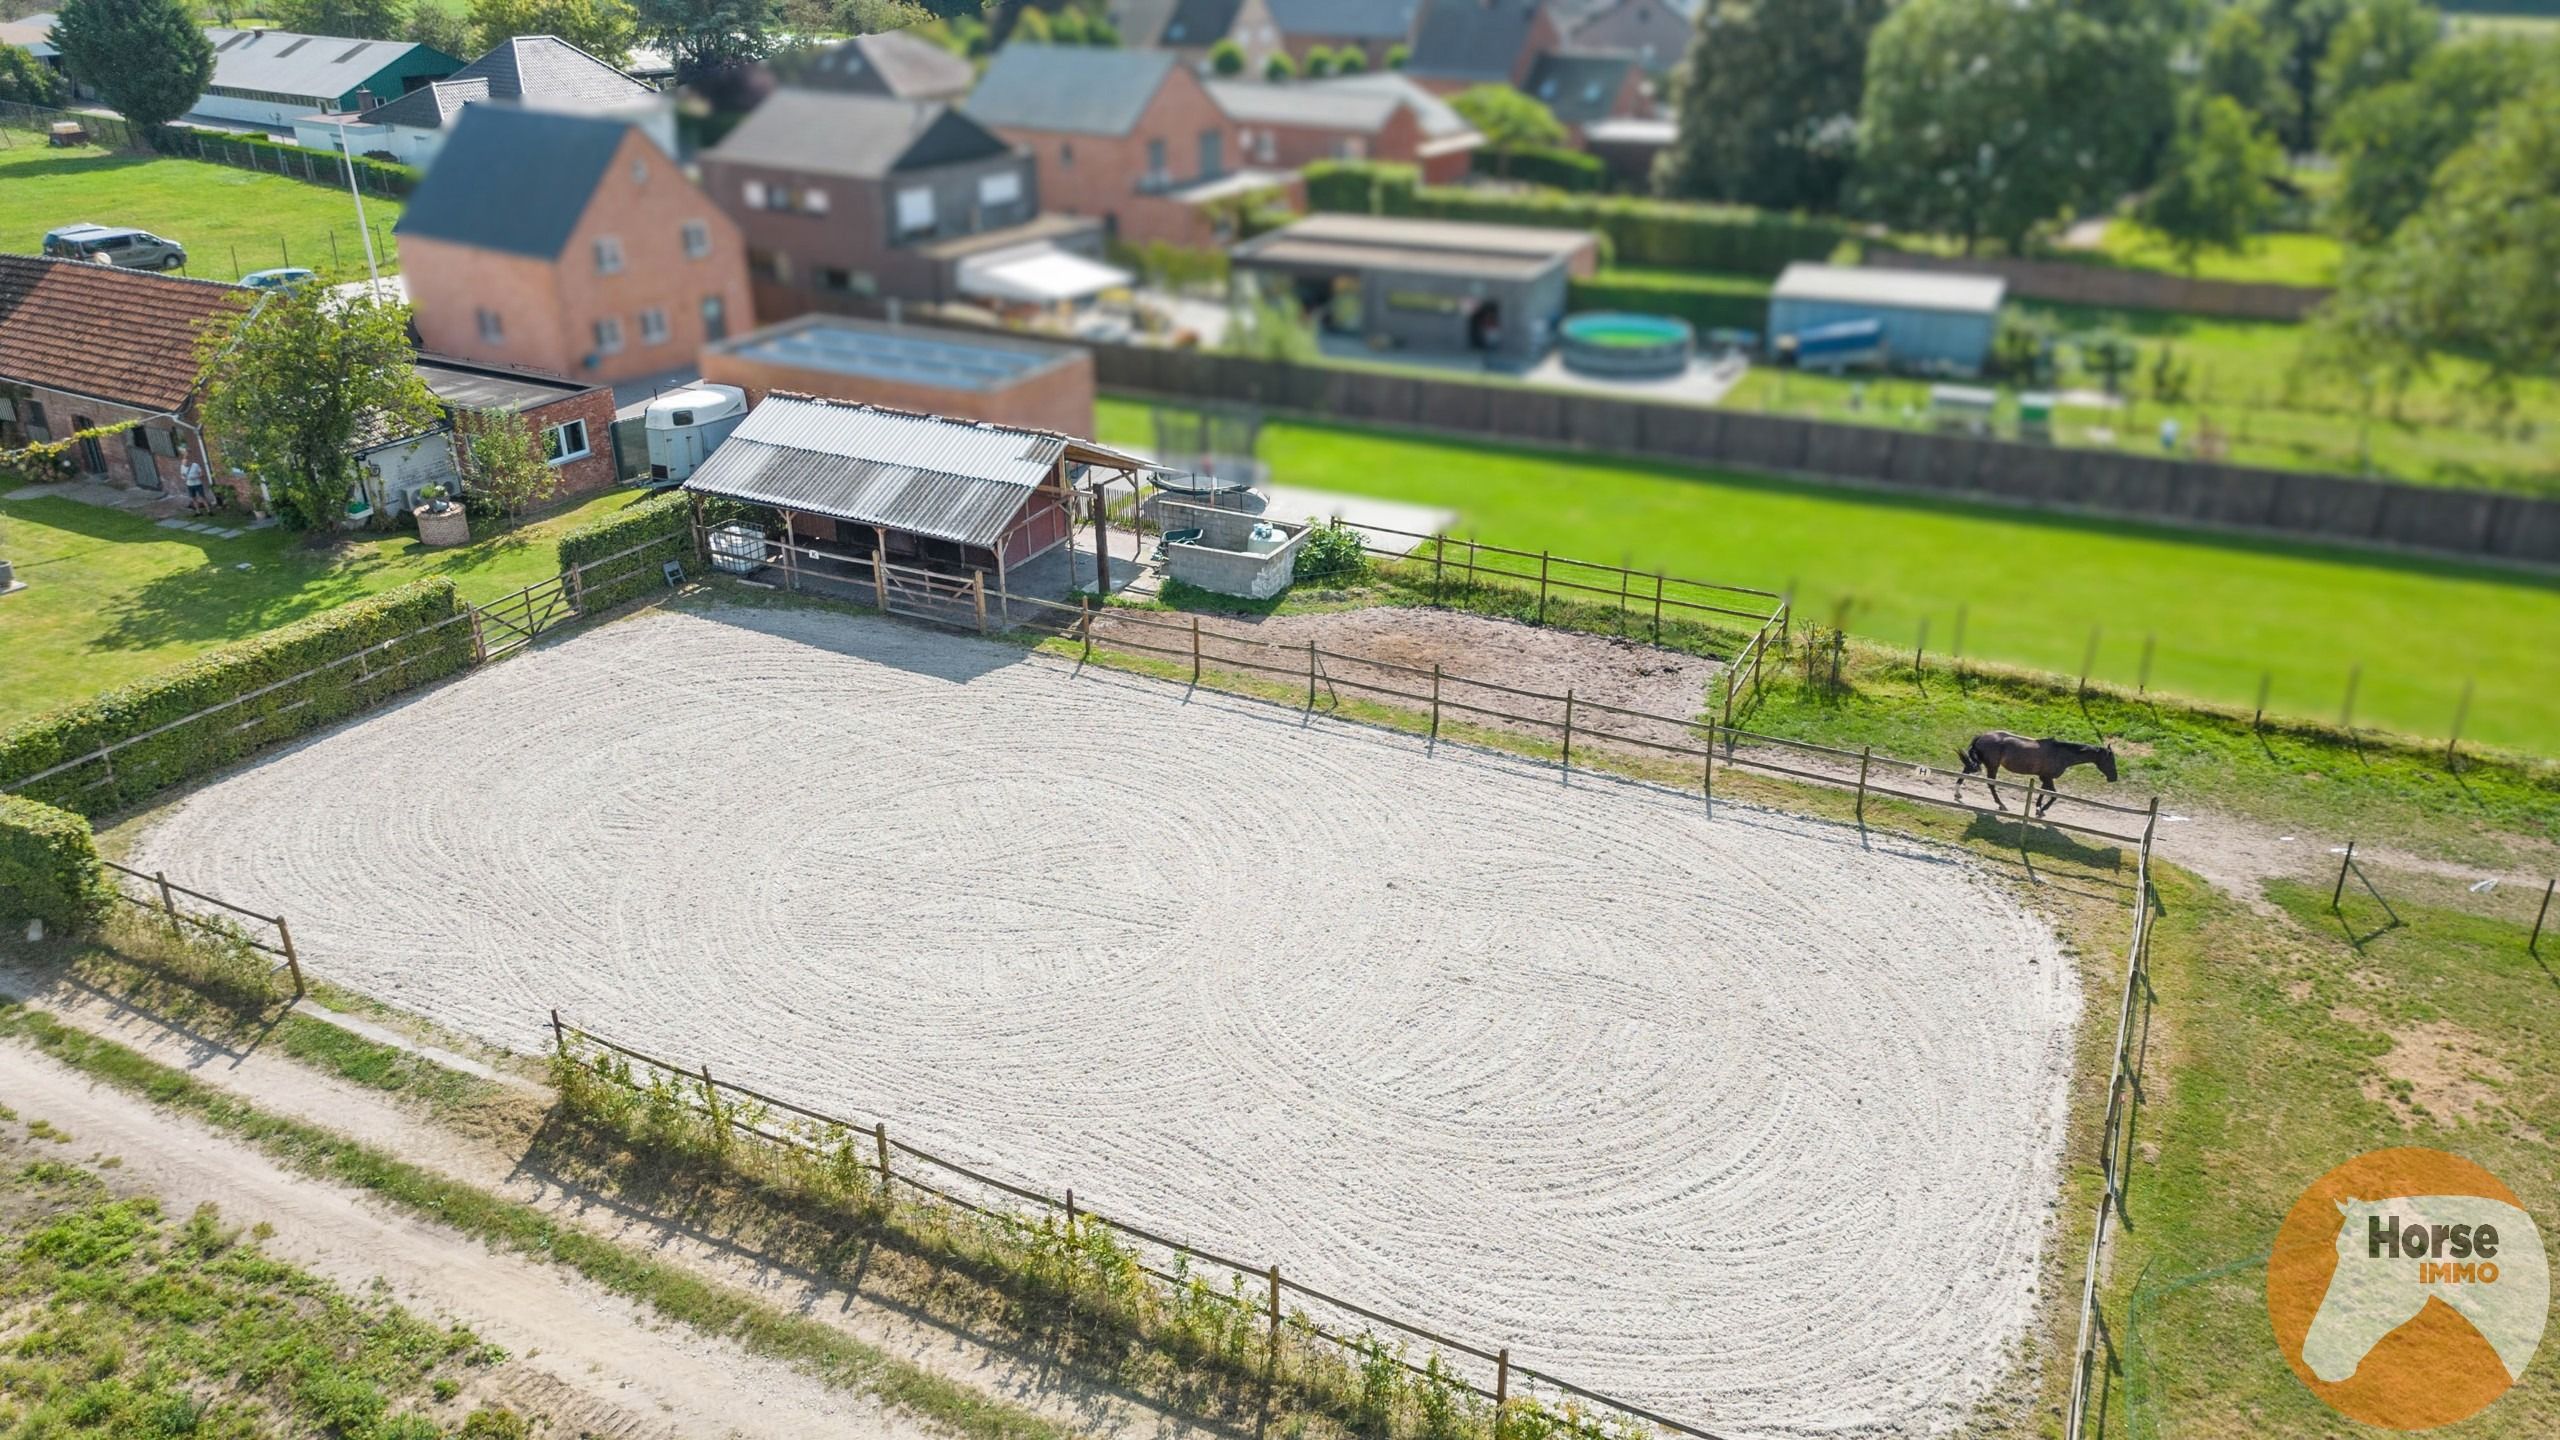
(1127, 162)
(84, 347)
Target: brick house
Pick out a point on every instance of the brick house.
(1381, 116)
(1585, 90)
(1656, 32)
(842, 199)
(541, 72)
(1130, 137)
(1263, 28)
(1462, 43)
(569, 244)
(84, 346)
(892, 64)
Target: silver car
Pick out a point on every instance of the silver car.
(116, 245)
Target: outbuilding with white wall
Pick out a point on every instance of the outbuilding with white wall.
(1934, 323)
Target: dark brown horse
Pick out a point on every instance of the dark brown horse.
(1996, 750)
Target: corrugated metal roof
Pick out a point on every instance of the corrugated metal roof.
(953, 480)
(1889, 288)
(320, 66)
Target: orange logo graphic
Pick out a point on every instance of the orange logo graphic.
(2408, 1289)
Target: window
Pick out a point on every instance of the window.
(715, 318)
(564, 443)
(1213, 153)
(697, 239)
(493, 329)
(1066, 156)
(813, 201)
(846, 282)
(639, 172)
(1002, 188)
(653, 326)
(1155, 160)
(753, 193)
(608, 335)
(608, 255)
(915, 209)
(770, 265)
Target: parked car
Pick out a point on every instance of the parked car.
(289, 278)
(117, 245)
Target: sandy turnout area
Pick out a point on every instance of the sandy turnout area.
(1738, 1115)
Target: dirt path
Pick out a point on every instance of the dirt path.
(277, 1084)
(591, 1362)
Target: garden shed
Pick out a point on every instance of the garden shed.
(1937, 323)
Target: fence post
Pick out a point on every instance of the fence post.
(978, 596)
(168, 902)
(1707, 780)
(1195, 650)
(1956, 650)
(2150, 640)
(880, 1138)
(578, 588)
(334, 261)
(1435, 702)
(1471, 564)
(292, 962)
(2347, 707)
(1275, 1310)
(1920, 651)
(1439, 543)
(2535, 944)
(2461, 712)
(479, 641)
(2340, 893)
(1501, 1382)
(1866, 755)
(1568, 729)
(1543, 558)
(2266, 682)
(1087, 623)
(1657, 607)
(2088, 660)
(559, 1035)
(1311, 676)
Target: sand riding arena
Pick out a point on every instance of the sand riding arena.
(1747, 1118)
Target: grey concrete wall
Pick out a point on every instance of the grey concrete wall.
(2319, 508)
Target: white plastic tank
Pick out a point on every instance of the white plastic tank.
(686, 425)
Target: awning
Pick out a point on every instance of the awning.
(1039, 275)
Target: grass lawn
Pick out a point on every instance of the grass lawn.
(112, 597)
(2290, 258)
(2281, 1047)
(2223, 609)
(231, 221)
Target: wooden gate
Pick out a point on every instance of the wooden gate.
(959, 600)
(511, 622)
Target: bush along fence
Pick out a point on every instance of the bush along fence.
(1250, 1321)
(50, 872)
(220, 147)
(213, 711)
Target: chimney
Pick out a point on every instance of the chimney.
(364, 101)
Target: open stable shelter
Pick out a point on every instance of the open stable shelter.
(1442, 285)
(924, 491)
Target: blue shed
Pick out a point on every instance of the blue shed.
(1934, 322)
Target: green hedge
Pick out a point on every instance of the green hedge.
(49, 867)
(1545, 165)
(204, 746)
(298, 162)
(664, 517)
(1641, 232)
(1704, 309)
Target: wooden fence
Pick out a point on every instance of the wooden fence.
(2123, 1090)
(1489, 1373)
(162, 895)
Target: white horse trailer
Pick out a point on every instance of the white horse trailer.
(687, 425)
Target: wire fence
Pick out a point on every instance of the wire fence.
(241, 151)
(161, 894)
(1283, 1305)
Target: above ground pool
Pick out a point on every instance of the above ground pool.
(1627, 346)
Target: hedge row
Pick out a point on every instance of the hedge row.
(1641, 232)
(49, 868)
(203, 746)
(1705, 310)
(666, 517)
(1544, 165)
(298, 162)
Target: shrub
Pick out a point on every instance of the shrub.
(664, 522)
(1671, 233)
(49, 868)
(240, 672)
(1332, 552)
(1548, 165)
(1279, 67)
(1227, 58)
(494, 1424)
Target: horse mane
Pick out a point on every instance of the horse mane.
(2077, 747)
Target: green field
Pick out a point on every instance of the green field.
(2222, 609)
(231, 221)
(112, 597)
(2292, 258)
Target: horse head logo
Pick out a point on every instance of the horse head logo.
(2482, 1257)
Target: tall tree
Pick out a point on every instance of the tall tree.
(2239, 60)
(303, 377)
(602, 28)
(701, 36)
(355, 19)
(2390, 141)
(2299, 32)
(1989, 118)
(1768, 102)
(440, 29)
(2471, 270)
(2379, 43)
(147, 58)
(1508, 120)
(2217, 188)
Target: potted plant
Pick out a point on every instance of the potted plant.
(441, 521)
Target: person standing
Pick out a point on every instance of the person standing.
(199, 499)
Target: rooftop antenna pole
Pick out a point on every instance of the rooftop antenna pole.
(372, 270)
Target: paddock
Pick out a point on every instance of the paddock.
(1748, 1118)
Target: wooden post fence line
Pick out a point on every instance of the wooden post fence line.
(164, 901)
(1501, 1370)
(2534, 944)
(2339, 893)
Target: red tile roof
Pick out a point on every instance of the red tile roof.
(115, 335)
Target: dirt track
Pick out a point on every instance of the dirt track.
(1738, 1116)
